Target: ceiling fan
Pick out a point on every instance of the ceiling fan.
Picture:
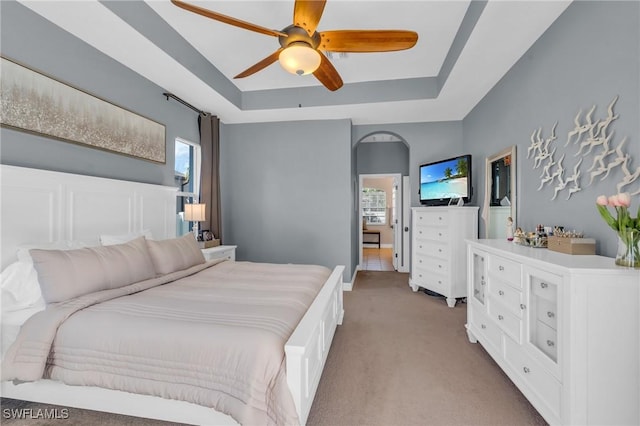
(301, 45)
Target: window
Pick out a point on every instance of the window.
(374, 206)
(187, 176)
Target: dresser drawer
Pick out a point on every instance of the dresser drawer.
(432, 219)
(545, 338)
(220, 252)
(432, 233)
(537, 379)
(546, 312)
(433, 281)
(507, 295)
(510, 323)
(432, 249)
(506, 270)
(545, 288)
(487, 331)
(439, 266)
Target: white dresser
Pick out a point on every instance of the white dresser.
(438, 250)
(565, 329)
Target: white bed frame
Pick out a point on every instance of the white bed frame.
(43, 206)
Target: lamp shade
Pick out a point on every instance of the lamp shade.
(194, 212)
(299, 58)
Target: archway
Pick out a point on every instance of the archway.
(382, 158)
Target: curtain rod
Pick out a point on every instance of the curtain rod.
(183, 102)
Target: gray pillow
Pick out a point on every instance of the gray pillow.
(65, 274)
(175, 254)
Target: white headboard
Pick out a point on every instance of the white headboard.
(39, 206)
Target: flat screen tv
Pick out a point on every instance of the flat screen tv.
(444, 180)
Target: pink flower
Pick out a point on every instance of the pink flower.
(624, 199)
(602, 200)
(613, 201)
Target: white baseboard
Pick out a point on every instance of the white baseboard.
(349, 286)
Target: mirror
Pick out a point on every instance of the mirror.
(500, 193)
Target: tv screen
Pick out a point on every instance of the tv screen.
(444, 180)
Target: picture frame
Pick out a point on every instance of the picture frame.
(36, 103)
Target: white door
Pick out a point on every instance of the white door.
(404, 255)
(396, 208)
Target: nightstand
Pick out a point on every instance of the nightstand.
(220, 252)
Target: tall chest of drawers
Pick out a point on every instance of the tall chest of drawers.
(438, 251)
(565, 329)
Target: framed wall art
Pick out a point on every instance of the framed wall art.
(36, 103)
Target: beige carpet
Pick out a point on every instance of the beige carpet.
(400, 358)
(403, 358)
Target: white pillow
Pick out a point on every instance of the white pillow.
(110, 240)
(19, 288)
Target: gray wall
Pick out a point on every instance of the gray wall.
(35, 42)
(589, 55)
(382, 157)
(286, 192)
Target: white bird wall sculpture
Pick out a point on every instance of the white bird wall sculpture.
(592, 137)
(628, 178)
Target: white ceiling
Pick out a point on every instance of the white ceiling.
(503, 33)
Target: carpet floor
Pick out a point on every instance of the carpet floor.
(403, 358)
(400, 358)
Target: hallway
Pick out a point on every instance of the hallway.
(374, 259)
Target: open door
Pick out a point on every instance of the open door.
(396, 222)
(394, 218)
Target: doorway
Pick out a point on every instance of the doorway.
(381, 221)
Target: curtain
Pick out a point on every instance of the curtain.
(210, 181)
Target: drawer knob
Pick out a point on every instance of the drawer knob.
(501, 268)
(439, 234)
(439, 266)
(523, 306)
(482, 282)
(420, 275)
(550, 314)
(544, 285)
(476, 291)
(526, 370)
(501, 293)
(500, 317)
(439, 217)
(440, 250)
(420, 261)
(439, 281)
(421, 246)
(550, 343)
(483, 326)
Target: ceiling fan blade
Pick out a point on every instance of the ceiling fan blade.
(227, 19)
(260, 65)
(361, 41)
(307, 14)
(327, 74)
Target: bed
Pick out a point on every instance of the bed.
(62, 198)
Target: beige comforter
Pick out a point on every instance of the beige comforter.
(213, 335)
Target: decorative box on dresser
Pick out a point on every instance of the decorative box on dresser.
(438, 249)
(564, 328)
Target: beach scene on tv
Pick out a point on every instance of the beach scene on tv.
(444, 180)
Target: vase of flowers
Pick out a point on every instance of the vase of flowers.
(627, 227)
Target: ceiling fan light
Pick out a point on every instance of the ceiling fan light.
(300, 59)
